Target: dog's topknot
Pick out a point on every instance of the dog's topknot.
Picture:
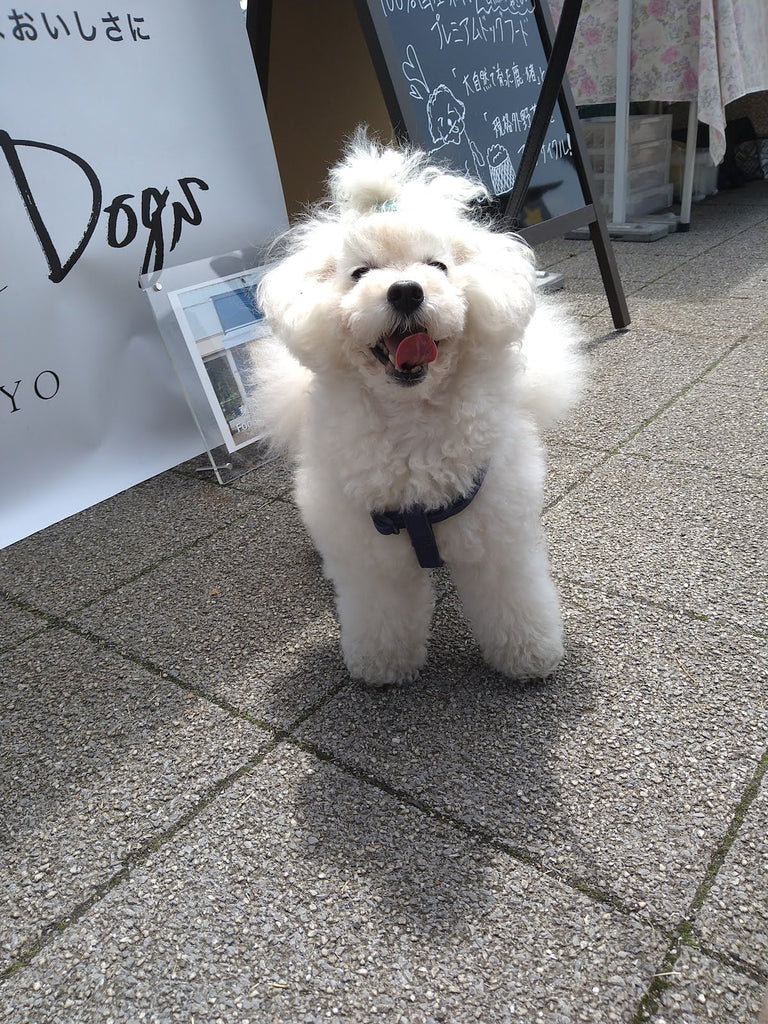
(373, 178)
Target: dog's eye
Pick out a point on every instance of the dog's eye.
(359, 272)
(438, 265)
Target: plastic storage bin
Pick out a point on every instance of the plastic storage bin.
(649, 201)
(640, 155)
(599, 132)
(704, 172)
(649, 150)
(639, 179)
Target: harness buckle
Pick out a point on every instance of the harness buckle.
(418, 521)
(385, 524)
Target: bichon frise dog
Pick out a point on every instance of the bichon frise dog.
(409, 376)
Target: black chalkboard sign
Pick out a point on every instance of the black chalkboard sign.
(462, 79)
(465, 79)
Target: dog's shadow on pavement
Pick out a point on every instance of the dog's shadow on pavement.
(442, 786)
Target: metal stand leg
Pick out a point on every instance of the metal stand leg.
(689, 170)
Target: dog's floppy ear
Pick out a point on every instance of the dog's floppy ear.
(499, 279)
(298, 296)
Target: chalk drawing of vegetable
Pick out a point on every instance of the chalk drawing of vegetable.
(501, 170)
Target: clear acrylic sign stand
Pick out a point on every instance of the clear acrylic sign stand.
(211, 326)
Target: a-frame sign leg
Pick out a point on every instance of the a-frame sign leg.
(556, 86)
(606, 261)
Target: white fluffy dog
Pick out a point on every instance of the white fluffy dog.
(409, 376)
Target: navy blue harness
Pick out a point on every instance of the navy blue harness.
(418, 522)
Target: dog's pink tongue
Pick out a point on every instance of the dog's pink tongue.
(415, 350)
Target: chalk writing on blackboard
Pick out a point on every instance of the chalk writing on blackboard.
(468, 74)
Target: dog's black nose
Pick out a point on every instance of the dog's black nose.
(405, 296)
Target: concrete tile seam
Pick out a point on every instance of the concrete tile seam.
(283, 495)
(287, 732)
(153, 566)
(481, 836)
(646, 309)
(663, 606)
(685, 258)
(21, 605)
(664, 977)
(672, 272)
(756, 972)
(660, 981)
(667, 460)
(185, 549)
(133, 860)
(103, 644)
(577, 482)
(576, 446)
(276, 731)
(677, 396)
(682, 935)
(737, 820)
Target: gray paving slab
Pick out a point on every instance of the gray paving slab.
(98, 757)
(712, 225)
(655, 263)
(74, 561)
(583, 284)
(737, 270)
(752, 193)
(304, 894)
(746, 365)
(708, 316)
(734, 920)
(623, 770)
(273, 478)
(558, 250)
(632, 376)
(585, 305)
(246, 617)
(16, 624)
(683, 536)
(702, 989)
(579, 269)
(680, 301)
(567, 465)
(712, 425)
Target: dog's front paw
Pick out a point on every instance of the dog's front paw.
(380, 672)
(531, 660)
(384, 641)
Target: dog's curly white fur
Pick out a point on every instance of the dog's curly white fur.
(372, 429)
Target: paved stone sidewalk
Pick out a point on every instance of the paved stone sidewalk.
(203, 820)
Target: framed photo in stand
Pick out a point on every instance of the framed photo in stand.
(211, 324)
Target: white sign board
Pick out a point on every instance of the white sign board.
(129, 142)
